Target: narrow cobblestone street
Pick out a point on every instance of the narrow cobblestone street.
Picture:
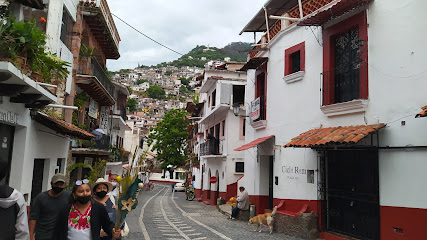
(162, 214)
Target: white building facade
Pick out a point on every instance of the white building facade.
(340, 95)
(220, 167)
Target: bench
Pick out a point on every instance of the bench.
(243, 215)
(300, 223)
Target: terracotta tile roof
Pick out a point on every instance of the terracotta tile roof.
(327, 11)
(253, 143)
(61, 126)
(333, 135)
(423, 113)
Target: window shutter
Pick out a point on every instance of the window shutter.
(226, 89)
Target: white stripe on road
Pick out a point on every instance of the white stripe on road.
(201, 224)
(168, 221)
(193, 234)
(141, 223)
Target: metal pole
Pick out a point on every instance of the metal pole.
(300, 9)
(266, 23)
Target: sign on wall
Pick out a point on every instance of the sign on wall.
(103, 123)
(9, 117)
(93, 109)
(255, 109)
(213, 180)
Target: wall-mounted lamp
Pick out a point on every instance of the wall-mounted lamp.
(236, 110)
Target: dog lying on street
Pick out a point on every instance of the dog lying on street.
(260, 219)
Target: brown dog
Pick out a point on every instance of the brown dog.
(260, 219)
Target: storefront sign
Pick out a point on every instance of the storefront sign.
(103, 123)
(93, 109)
(293, 172)
(9, 117)
(255, 112)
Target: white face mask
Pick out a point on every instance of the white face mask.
(114, 184)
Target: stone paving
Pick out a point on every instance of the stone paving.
(162, 214)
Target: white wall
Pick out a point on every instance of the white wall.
(397, 74)
(31, 141)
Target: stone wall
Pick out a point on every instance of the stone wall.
(303, 226)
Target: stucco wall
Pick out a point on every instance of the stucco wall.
(396, 56)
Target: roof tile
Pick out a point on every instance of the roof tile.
(333, 135)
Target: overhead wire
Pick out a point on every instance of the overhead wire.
(143, 34)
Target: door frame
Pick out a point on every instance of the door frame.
(323, 189)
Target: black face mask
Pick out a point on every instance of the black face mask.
(57, 190)
(83, 199)
(101, 194)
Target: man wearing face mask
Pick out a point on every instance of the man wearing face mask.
(45, 209)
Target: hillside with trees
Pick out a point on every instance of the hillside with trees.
(234, 50)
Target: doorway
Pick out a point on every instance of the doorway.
(217, 184)
(37, 184)
(6, 147)
(270, 182)
(266, 181)
(352, 193)
(209, 184)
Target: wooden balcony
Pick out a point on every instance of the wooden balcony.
(98, 16)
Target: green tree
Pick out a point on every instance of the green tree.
(156, 92)
(169, 138)
(184, 80)
(131, 104)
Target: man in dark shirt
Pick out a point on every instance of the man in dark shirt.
(46, 207)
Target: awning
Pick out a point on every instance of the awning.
(253, 143)
(274, 7)
(61, 126)
(330, 11)
(333, 136)
(254, 63)
(423, 113)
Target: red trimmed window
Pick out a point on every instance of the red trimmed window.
(295, 59)
(345, 61)
(261, 92)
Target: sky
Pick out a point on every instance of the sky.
(180, 25)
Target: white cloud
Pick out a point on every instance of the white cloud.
(180, 25)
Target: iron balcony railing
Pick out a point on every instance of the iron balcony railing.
(123, 112)
(211, 147)
(102, 143)
(345, 83)
(99, 72)
(105, 10)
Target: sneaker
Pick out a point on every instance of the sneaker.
(233, 218)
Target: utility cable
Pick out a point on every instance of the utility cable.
(146, 35)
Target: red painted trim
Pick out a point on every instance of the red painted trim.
(260, 202)
(231, 191)
(328, 35)
(296, 205)
(288, 62)
(402, 223)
